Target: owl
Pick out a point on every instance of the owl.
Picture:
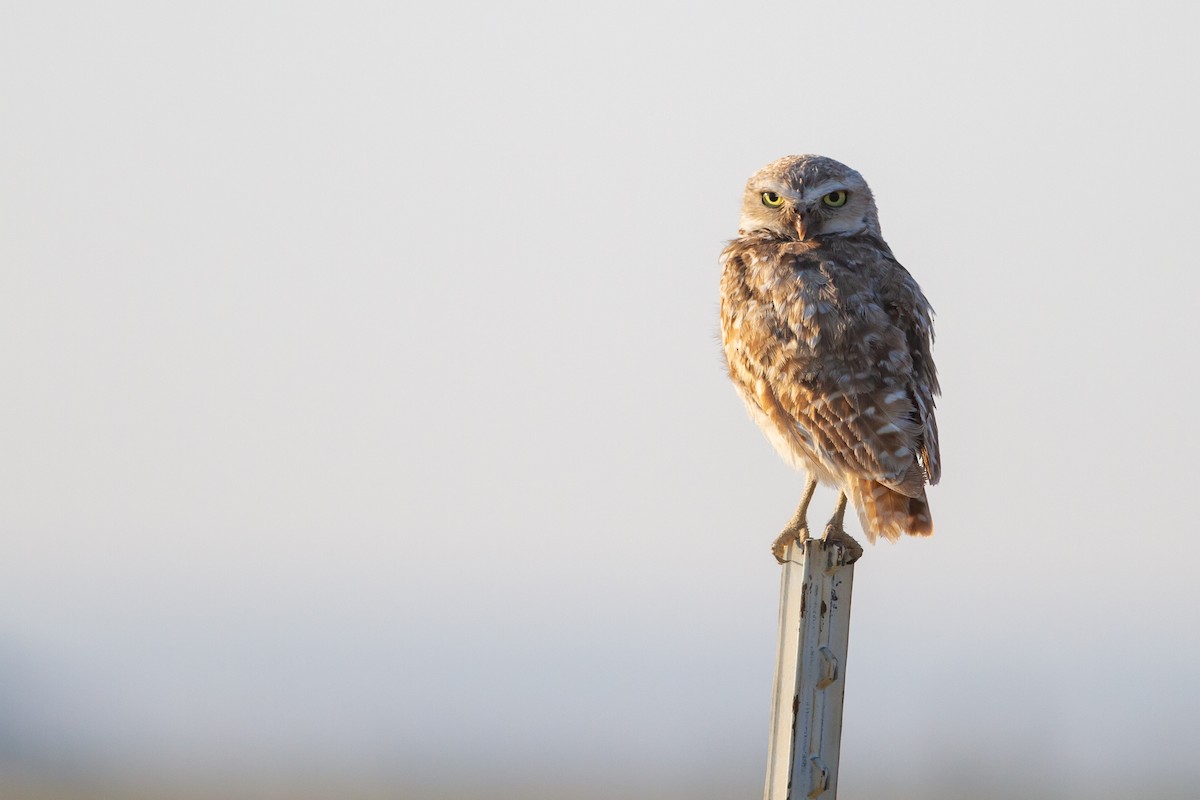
(828, 341)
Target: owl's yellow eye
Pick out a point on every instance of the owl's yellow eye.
(835, 199)
(772, 200)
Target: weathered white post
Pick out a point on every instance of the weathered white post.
(806, 705)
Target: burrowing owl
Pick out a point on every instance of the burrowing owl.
(827, 340)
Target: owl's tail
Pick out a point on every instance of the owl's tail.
(888, 513)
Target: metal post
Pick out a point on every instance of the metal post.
(806, 705)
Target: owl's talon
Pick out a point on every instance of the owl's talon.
(836, 535)
(782, 541)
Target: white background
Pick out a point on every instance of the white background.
(363, 412)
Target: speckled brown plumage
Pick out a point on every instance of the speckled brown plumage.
(827, 339)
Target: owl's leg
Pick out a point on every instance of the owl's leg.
(797, 528)
(836, 534)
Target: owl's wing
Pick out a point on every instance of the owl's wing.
(908, 307)
(839, 364)
(865, 432)
(884, 432)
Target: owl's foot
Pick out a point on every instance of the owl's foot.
(835, 534)
(792, 533)
(838, 536)
(797, 528)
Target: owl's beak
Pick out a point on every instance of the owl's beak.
(802, 227)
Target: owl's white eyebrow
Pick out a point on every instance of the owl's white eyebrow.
(781, 189)
(822, 189)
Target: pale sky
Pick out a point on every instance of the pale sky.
(364, 407)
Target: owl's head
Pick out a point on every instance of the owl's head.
(803, 197)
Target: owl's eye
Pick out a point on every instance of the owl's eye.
(835, 199)
(772, 200)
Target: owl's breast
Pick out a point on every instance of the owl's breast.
(806, 315)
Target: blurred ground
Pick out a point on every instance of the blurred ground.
(941, 790)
